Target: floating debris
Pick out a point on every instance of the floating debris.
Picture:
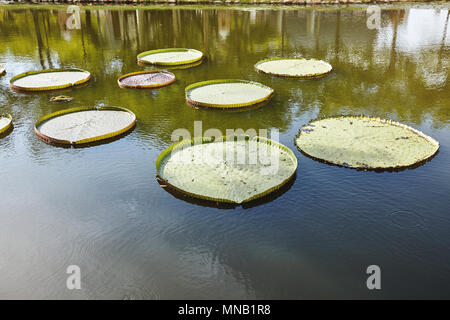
(5, 123)
(2, 71)
(170, 57)
(227, 94)
(84, 125)
(61, 99)
(226, 170)
(51, 79)
(294, 67)
(365, 143)
(146, 79)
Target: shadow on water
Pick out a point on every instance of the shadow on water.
(88, 144)
(7, 132)
(223, 205)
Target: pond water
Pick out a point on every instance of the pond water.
(101, 208)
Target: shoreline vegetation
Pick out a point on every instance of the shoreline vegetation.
(215, 2)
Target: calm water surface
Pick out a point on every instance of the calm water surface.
(101, 208)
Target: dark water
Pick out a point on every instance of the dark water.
(101, 208)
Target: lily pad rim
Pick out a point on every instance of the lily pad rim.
(49, 88)
(226, 106)
(200, 140)
(376, 169)
(180, 63)
(184, 66)
(8, 125)
(163, 84)
(308, 76)
(106, 136)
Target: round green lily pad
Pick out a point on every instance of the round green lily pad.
(146, 79)
(227, 94)
(5, 122)
(84, 125)
(294, 67)
(51, 79)
(365, 143)
(226, 170)
(170, 57)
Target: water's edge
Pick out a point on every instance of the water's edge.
(217, 2)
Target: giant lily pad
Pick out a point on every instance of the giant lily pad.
(226, 170)
(227, 94)
(170, 57)
(5, 122)
(365, 143)
(146, 79)
(294, 67)
(77, 126)
(51, 79)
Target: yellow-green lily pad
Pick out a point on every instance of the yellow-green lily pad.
(225, 170)
(294, 67)
(365, 143)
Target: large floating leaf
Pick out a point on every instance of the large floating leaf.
(227, 94)
(5, 122)
(365, 143)
(294, 67)
(84, 125)
(226, 170)
(170, 57)
(146, 79)
(51, 79)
